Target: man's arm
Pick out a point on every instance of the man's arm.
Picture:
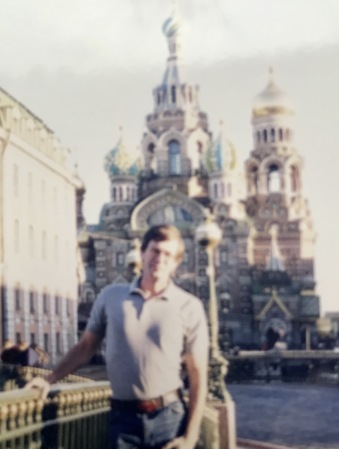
(74, 359)
(197, 377)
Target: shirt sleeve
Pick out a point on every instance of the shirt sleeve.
(97, 320)
(197, 330)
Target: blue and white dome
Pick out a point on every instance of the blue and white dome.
(120, 162)
(222, 155)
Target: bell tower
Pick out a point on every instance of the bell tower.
(274, 185)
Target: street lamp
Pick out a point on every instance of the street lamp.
(209, 235)
(133, 258)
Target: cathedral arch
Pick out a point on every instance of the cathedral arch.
(167, 206)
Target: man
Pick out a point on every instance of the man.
(151, 327)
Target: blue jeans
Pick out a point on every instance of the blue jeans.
(129, 430)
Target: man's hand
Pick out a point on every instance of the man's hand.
(40, 384)
(180, 443)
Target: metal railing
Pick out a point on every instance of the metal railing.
(73, 416)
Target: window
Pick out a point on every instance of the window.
(215, 190)
(31, 302)
(46, 343)
(17, 298)
(32, 338)
(18, 337)
(223, 256)
(120, 259)
(273, 179)
(173, 94)
(58, 342)
(45, 303)
(265, 135)
(258, 137)
(174, 157)
(272, 135)
(57, 304)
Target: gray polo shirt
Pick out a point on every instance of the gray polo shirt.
(145, 339)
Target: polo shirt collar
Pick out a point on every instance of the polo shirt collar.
(166, 295)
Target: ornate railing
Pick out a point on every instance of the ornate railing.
(73, 416)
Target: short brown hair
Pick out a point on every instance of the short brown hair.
(161, 233)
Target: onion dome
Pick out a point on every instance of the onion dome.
(222, 155)
(272, 100)
(120, 162)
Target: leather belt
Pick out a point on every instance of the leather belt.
(146, 405)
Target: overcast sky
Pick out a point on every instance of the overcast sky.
(87, 67)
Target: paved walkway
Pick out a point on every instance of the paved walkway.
(301, 416)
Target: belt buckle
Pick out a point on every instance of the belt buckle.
(148, 406)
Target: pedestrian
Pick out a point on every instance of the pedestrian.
(151, 327)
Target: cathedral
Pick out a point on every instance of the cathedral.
(264, 264)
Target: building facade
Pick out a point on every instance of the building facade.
(265, 262)
(38, 232)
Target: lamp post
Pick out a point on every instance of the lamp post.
(133, 258)
(208, 235)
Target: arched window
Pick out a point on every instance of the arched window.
(273, 179)
(216, 190)
(173, 94)
(114, 193)
(174, 157)
(258, 137)
(272, 135)
(281, 135)
(222, 190)
(265, 135)
(120, 194)
(151, 157)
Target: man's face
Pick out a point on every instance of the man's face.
(159, 260)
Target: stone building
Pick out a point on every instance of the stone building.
(264, 263)
(38, 232)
